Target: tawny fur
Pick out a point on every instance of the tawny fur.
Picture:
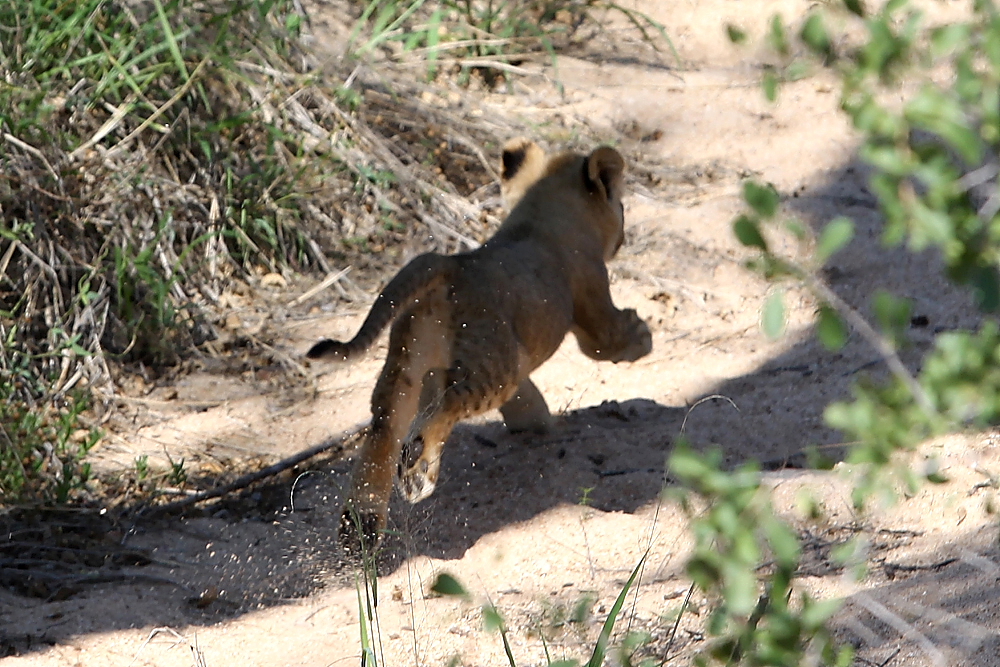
(469, 329)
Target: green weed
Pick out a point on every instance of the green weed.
(42, 448)
(486, 37)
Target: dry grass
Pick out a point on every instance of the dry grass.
(125, 220)
(156, 158)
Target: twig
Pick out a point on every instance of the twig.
(159, 112)
(251, 478)
(703, 400)
(891, 569)
(310, 293)
(107, 128)
(875, 339)
(42, 264)
(34, 151)
(199, 658)
(5, 262)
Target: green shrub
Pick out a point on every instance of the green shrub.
(935, 176)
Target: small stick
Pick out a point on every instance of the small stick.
(181, 92)
(329, 280)
(109, 126)
(247, 480)
(34, 151)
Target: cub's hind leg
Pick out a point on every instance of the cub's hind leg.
(447, 396)
(395, 403)
(367, 506)
(428, 433)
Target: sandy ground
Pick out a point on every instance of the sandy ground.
(549, 528)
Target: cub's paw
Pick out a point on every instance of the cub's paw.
(360, 530)
(636, 337)
(418, 482)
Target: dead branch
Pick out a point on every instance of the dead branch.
(254, 477)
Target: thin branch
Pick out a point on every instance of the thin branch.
(181, 92)
(881, 344)
(251, 478)
(316, 289)
(34, 151)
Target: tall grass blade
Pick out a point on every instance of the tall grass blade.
(168, 34)
(638, 18)
(386, 32)
(367, 650)
(600, 649)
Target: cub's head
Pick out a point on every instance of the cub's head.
(522, 164)
(567, 183)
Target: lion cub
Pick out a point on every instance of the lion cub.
(469, 329)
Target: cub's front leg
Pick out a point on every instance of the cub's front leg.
(605, 333)
(526, 410)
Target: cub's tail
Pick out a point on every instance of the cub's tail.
(415, 279)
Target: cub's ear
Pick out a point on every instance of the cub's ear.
(603, 170)
(522, 165)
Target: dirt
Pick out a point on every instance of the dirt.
(549, 528)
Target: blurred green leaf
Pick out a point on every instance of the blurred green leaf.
(445, 584)
(948, 38)
(818, 612)
(986, 285)
(935, 111)
(856, 7)
(747, 231)
(815, 36)
(735, 34)
(492, 620)
(796, 228)
(835, 236)
(739, 588)
(783, 541)
(830, 329)
(773, 315)
(769, 82)
(777, 36)
(893, 314)
(763, 199)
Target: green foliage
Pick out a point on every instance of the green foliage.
(830, 328)
(935, 173)
(747, 231)
(930, 178)
(936, 188)
(176, 68)
(601, 647)
(835, 236)
(484, 36)
(757, 622)
(119, 120)
(42, 449)
(446, 584)
(772, 317)
(763, 199)
(141, 468)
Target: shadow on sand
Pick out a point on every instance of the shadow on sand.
(612, 456)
